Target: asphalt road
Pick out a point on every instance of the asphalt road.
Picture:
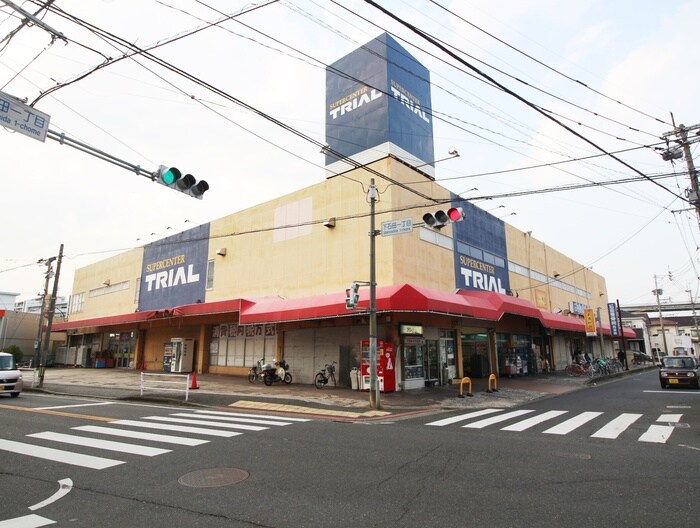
(537, 468)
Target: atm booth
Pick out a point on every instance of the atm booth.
(386, 366)
(178, 355)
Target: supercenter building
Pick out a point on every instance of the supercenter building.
(468, 299)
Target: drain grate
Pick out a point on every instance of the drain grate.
(211, 478)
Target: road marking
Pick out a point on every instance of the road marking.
(697, 393)
(76, 405)
(614, 428)
(58, 455)
(300, 409)
(225, 418)
(141, 435)
(179, 428)
(246, 415)
(657, 434)
(65, 485)
(572, 423)
(496, 419)
(27, 521)
(462, 417)
(531, 422)
(689, 447)
(133, 449)
(56, 413)
(205, 422)
(669, 418)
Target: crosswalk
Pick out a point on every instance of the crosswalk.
(657, 432)
(163, 434)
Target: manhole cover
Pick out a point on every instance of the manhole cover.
(211, 478)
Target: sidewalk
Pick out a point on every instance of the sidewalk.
(237, 392)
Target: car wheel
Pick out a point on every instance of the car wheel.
(14, 394)
(663, 386)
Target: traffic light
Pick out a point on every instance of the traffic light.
(173, 178)
(442, 218)
(352, 296)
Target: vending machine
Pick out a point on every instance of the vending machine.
(386, 367)
(182, 354)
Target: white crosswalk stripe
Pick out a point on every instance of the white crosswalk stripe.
(572, 423)
(614, 428)
(180, 429)
(658, 432)
(531, 422)
(497, 419)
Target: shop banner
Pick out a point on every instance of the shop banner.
(589, 319)
(614, 320)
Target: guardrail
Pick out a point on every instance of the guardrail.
(34, 375)
(165, 382)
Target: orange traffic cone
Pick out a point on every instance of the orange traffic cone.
(194, 380)
(143, 364)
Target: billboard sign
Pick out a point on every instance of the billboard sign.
(481, 257)
(378, 94)
(174, 270)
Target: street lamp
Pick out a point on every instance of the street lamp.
(494, 208)
(511, 214)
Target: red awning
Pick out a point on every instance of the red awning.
(483, 305)
(111, 320)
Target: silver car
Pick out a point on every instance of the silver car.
(10, 377)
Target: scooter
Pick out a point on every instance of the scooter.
(277, 371)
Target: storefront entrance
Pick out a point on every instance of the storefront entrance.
(475, 359)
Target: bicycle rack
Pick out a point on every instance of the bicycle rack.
(495, 385)
(461, 387)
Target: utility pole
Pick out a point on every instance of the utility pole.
(658, 292)
(52, 309)
(695, 319)
(374, 391)
(681, 131)
(42, 312)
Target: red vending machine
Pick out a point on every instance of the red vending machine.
(386, 366)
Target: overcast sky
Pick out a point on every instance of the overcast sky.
(613, 72)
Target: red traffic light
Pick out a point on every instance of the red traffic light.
(441, 218)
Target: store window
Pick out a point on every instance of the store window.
(234, 345)
(121, 348)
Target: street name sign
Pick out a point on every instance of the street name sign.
(397, 227)
(22, 118)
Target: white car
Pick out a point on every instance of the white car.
(10, 377)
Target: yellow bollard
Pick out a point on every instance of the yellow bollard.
(461, 387)
(492, 377)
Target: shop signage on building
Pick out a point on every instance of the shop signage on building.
(614, 320)
(174, 270)
(381, 97)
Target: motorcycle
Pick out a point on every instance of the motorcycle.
(277, 371)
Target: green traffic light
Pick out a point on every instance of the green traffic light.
(170, 176)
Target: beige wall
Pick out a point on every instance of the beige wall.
(534, 254)
(123, 272)
(263, 258)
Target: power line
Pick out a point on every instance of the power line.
(535, 107)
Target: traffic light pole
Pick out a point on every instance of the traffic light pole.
(374, 399)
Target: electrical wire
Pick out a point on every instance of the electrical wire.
(535, 107)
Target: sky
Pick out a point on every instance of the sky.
(616, 77)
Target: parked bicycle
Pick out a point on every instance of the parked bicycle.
(325, 375)
(256, 372)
